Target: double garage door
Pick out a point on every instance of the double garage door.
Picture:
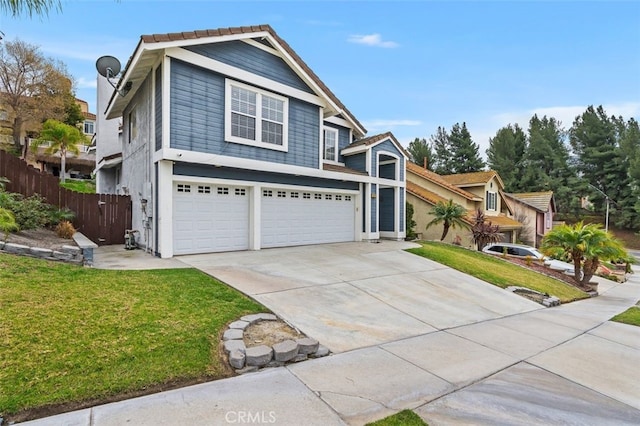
(216, 218)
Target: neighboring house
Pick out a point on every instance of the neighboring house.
(108, 143)
(473, 191)
(535, 210)
(231, 142)
(77, 166)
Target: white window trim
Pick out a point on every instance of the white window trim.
(495, 201)
(335, 153)
(257, 143)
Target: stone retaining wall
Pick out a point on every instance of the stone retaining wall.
(70, 254)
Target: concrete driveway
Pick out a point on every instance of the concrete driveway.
(355, 295)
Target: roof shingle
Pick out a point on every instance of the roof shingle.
(438, 180)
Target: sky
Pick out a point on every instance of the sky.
(400, 66)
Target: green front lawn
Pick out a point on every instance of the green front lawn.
(630, 316)
(403, 418)
(496, 271)
(73, 334)
(80, 185)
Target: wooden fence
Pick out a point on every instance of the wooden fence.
(103, 218)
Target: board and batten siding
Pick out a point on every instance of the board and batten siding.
(266, 178)
(197, 120)
(158, 108)
(249, 58)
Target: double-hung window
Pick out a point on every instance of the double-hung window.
(330, 138)
(255, 117)
(492, 201)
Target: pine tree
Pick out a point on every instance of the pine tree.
(505, 155)
(465, 154)
(442, 152)
(420, 150)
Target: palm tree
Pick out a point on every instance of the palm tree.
(62, 138)
(450, 215)
(29, 7)
(586, 245)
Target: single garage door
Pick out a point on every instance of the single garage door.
(210, 218)
(291, 218)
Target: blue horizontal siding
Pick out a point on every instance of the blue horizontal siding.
(356, 162)
(249, 58)
(197, 120)
(201, 170)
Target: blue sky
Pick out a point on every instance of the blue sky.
(407, 67)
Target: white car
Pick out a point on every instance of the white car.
(522, 251)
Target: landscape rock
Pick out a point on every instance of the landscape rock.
(236, 359)
(551, 301)
(62, 256)
(307, 345)
(248, 369)
(273, 364)
(231, 334)
(253, 318)
(322, 351)
(16, 248)
(258, 355)
(284, 351)
(300, 357)
(1, 248)
(234, 345)
(40, 252)
(240, 325)
(72, 250)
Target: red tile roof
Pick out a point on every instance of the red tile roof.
(438, 180)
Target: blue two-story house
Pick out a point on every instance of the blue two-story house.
(231, 142)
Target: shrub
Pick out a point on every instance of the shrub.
(65, 229)
(410, 224)
(7, 222)
(56, 216)
(30, 212)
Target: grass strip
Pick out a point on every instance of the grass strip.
(496, 271)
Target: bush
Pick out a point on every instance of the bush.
(33, 212)
(7, 222)
(65, 229)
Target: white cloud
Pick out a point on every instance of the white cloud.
(372, 40)
(389, 124)
(86, 83)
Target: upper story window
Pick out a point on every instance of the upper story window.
(330, 138)
(88, 127)
(492, 201)
(255, 117)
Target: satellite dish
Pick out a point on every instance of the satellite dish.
(108, 66)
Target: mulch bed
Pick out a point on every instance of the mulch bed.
(542, 269)
(42, 238)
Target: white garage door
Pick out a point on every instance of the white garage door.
(291, 218)
(209, 218)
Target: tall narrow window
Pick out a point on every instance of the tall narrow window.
(330, 144)
(255, 117)
(491, 201)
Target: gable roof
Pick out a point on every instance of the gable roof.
(361, 145)
(474, 178)
(155, 42)
(438, 180)
(537, 200)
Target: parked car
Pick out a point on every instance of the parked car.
(522, 251)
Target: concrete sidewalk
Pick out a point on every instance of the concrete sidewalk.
(563, 365)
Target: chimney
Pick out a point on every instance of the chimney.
(425, 161)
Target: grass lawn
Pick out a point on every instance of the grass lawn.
(496, 271)
(70, 334)
(403, 418)
(81, 185)
(630, 316)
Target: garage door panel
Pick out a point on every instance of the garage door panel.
(210, 218)
(310, 218)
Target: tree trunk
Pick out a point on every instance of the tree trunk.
(63, 165)
(590, 267)
(17, 134)
(576, 268)
(445, 231)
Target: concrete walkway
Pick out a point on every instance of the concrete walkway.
(563, 365)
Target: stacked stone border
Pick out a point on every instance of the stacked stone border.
(247, 360)
(547, 301)
(70, 254)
